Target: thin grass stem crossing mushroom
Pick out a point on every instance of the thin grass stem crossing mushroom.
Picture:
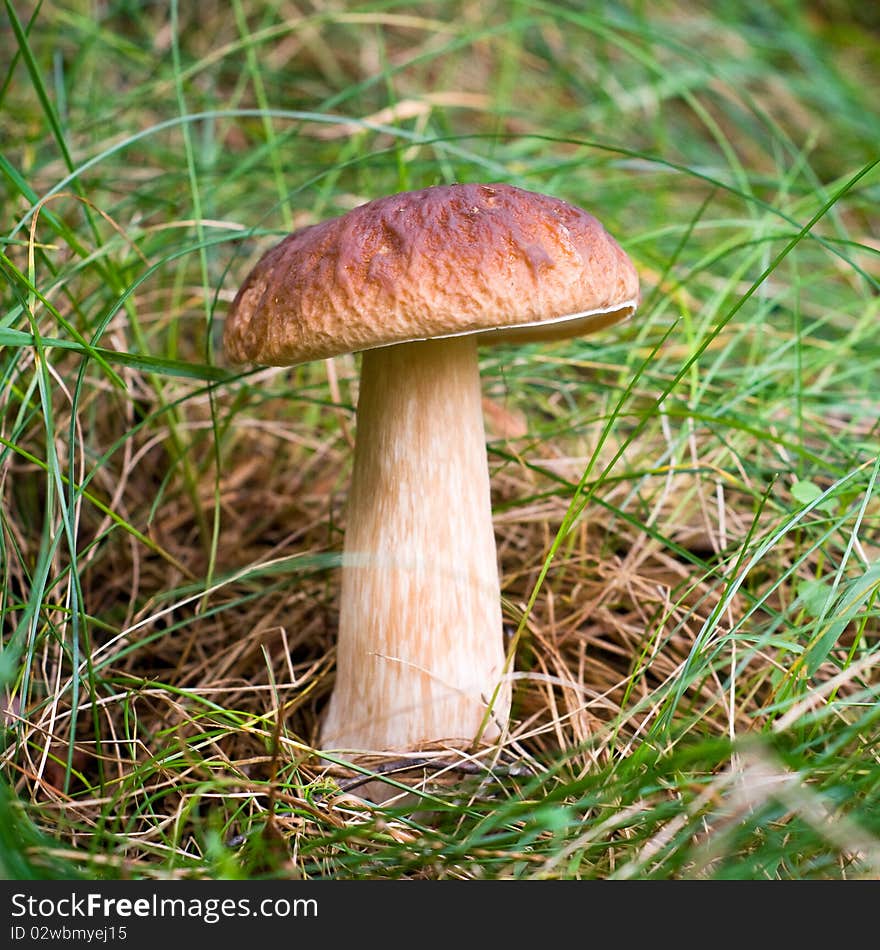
(416, 281)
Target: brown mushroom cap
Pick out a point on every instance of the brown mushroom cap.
(450, 260)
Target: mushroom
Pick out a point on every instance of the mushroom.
(416, 281)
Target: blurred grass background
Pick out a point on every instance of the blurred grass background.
(686, 507)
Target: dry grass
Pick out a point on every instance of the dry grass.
(195, 678)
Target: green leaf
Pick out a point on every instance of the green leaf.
(808, 493)
(847, 607)
(814, 596)
(150, 364)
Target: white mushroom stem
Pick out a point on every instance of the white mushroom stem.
(420, 649)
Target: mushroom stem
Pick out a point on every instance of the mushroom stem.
(420, 650)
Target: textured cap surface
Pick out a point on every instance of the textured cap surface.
(445, 261)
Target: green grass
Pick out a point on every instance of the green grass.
(687, 507)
